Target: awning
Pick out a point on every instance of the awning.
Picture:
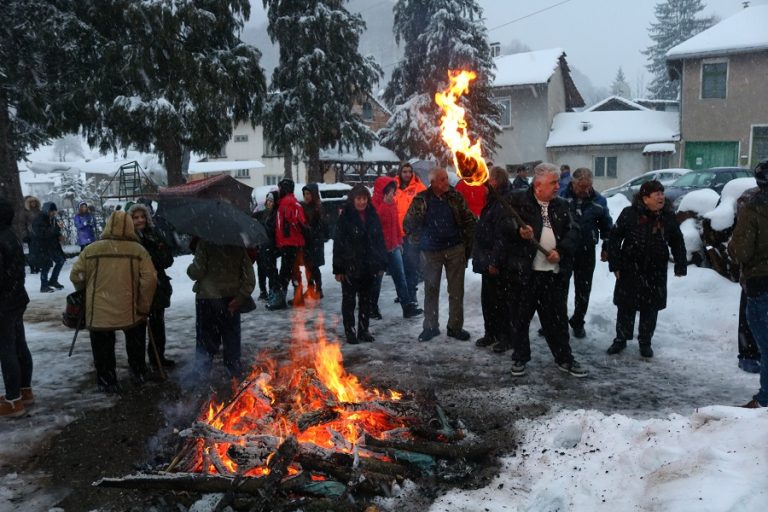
(659, 147)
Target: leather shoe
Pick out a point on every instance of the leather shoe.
(365, 336)
(459, 334)
(500, 347)
(56, 285)
(428, 334)
(485, 341)
(616, 347)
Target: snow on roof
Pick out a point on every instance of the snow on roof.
(377, 153)
(631, 104)
(203, 167)
(614, 127)
(527, 68)
(659, 147)
(743, 32)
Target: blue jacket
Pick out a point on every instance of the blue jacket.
(591, 215)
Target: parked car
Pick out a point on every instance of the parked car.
(714, 178)
(630, 188)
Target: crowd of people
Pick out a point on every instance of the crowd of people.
(527, 238)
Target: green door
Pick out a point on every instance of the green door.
(703, 155)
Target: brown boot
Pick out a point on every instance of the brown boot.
(11, 408)
(27, 398)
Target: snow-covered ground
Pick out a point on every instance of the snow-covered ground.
(658, 434)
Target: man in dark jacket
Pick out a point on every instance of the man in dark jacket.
(749, 246)
(490, 252)
(442, 225)
(521, 180)
(45, 247)
(590, 211)
(544, 272)
(15, 358)
(638, 254)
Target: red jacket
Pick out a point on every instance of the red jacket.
(289, 221)
(475, 196)
(390, 223)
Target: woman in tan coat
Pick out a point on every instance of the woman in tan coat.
(119, 281)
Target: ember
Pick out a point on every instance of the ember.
(467, 157)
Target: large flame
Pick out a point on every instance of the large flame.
(467, 157)
(274, 397)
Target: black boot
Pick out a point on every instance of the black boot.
(351, 336)
(411, 310)
(645, 349)
(617, 346)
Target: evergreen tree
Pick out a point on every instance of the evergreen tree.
(72, 190)
(676, 21)
(438, 35)
(68, 144)
(620, 87)
(41, 81)
(319, 77)
(173, 76)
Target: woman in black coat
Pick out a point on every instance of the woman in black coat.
(314, 250)
(359, 255)
(638, 254)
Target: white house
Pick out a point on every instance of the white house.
(615, 144)
(532, 88)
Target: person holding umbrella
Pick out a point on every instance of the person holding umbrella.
(224, 280)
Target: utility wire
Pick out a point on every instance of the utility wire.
(529, 15)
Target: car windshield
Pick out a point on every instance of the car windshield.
(641, 180)
(695, 179)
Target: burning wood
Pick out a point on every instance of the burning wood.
(307, 427)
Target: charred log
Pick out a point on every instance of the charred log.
(440, 450)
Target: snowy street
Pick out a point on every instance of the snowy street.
(635, 433)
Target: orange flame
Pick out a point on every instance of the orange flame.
(467, 157)
(274, 397)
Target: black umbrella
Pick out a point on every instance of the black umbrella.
(212, 220)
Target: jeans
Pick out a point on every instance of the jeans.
(454, 261)
(15, 358)
(412, 269)
(58, 262)
(583, 270)
(747, 344)
(397, 272)
(216, 327)
(757, 316)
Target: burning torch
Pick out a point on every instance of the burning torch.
(467, 157)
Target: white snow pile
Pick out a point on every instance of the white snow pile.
(699, 201)
(585, 460)
(724, 215)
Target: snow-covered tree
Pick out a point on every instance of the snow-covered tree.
(319, 77)
(66, 145)
(73, 189)
(620, 87)
(438, 35)
(676, 21)
(173, 76)
(42, 80)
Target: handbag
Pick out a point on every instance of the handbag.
(74, 311)
(247, 306)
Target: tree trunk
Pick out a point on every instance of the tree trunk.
(172, 153)
(288, 163)
(10, 185)
(314, 172)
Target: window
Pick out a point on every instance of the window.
(495, 49)
(759, 144)
(243, 173)
(241, 138)
(367, 111)
(505, 115)
(271, 179)
(605, 166)
(659, 161)
(714, 76)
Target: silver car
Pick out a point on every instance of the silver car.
(630, 188)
